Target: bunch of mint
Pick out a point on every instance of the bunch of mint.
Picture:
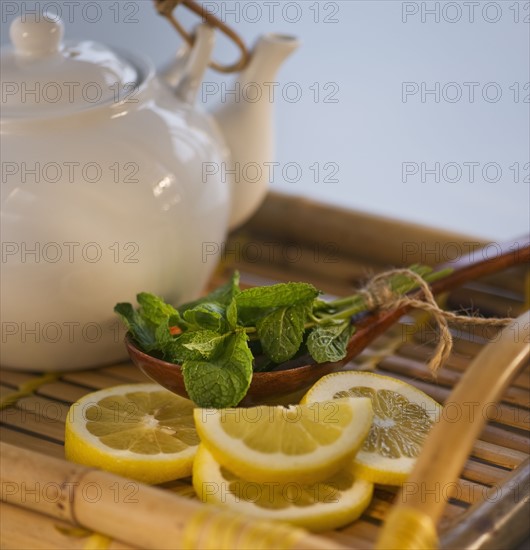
(221, 339)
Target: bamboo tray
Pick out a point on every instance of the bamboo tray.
(293, 239)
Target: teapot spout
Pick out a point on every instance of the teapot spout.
(247, 125)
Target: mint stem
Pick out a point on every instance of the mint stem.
(353, 305)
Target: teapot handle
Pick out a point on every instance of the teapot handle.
(186, 72)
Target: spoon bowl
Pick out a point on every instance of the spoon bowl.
(264, 385)
(284, 382)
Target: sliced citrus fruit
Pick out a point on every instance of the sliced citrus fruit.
(140, 431)
(403, 416)
(320, 506)
(304, 443)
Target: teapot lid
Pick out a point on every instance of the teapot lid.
(42, 76)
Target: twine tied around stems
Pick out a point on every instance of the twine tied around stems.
(378, 294)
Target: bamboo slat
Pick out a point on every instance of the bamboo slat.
(14, 378)
(126, 374)
(446, 377)
(33, 422)
(455, 362)
(498, 455)
(506, 438)
(91, 379)
(31, 441)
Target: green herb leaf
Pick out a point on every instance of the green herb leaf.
(194, 345)
(165, 341)
(142, 331)
(206, 342)
(282, 331)
(222, 295)
(154, 309)
(207, 315)
(284, 294)
(231, 314)
(174, 348)
(329, 343)
(223, 380)
(254, 304)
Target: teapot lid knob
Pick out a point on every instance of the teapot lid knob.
(37, 35)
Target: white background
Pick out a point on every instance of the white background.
(367, 50)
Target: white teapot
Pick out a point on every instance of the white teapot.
(114, 182)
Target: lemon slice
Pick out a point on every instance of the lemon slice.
(140, 431)
(277, 444)
(328, 504)
(403, 416)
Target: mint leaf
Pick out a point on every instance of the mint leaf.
(282, 331)
(283, 294)
(194, 345)
(329, 343)
(154, 309)
(222, 295)
(231, 314)
(224, 380)
(206, 342)
(207, 315)
(165, 340)
(142, 331)
(256, 303)
(250, 316)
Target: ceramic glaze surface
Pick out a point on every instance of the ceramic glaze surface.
(123, 216)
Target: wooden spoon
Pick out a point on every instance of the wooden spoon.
(269, 385)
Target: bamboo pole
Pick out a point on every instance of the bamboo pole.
(135, 513)
(24, 529)
(411, 524)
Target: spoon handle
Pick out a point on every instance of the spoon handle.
(478, 263)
